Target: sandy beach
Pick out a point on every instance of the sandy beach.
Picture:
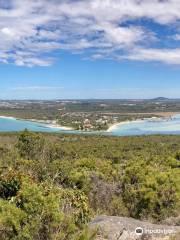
(160, 115)
(48, 123)
(60, 127)
(6, 117)
(116, 125)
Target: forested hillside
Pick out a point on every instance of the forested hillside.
(51, 186)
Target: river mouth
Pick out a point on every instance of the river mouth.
(149, 126)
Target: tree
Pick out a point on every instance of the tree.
(30, 144)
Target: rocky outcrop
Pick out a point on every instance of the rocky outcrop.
(122, 228)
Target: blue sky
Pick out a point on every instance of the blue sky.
(89, 49)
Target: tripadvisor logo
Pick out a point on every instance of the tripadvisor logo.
(139, 231)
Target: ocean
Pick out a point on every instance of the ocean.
(8, 124)
(148, 127)
(139, 127)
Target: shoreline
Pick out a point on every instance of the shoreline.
(116, 125)
(111, 128)
(165, 115)
(7, 117)
(48, 123)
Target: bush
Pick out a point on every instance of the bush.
(30, 145)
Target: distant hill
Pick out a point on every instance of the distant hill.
(161, 99)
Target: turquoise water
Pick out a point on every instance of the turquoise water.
(141, 127)
(12, 124)
(149, 126)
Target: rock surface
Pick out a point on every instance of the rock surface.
(122, 228)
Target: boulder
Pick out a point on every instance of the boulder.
(123, 228)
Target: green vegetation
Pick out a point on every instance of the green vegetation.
(88, 114)
(51, 185)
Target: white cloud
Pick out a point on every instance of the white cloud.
(30, 30)
(176, 37)
(168, 56)
(37, 88)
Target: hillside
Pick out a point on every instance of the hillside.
(52, 185)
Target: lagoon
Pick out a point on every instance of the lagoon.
(147, 127)
(131, 128)
(10, 124)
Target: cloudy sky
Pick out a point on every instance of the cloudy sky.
(89, 48)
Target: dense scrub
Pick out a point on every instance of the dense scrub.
(52, 185)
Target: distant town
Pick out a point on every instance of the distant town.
(90, 114)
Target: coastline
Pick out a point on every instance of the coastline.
(6, 117)
(111, 128)
(48, 123)
(116, 125)
(163, 115)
